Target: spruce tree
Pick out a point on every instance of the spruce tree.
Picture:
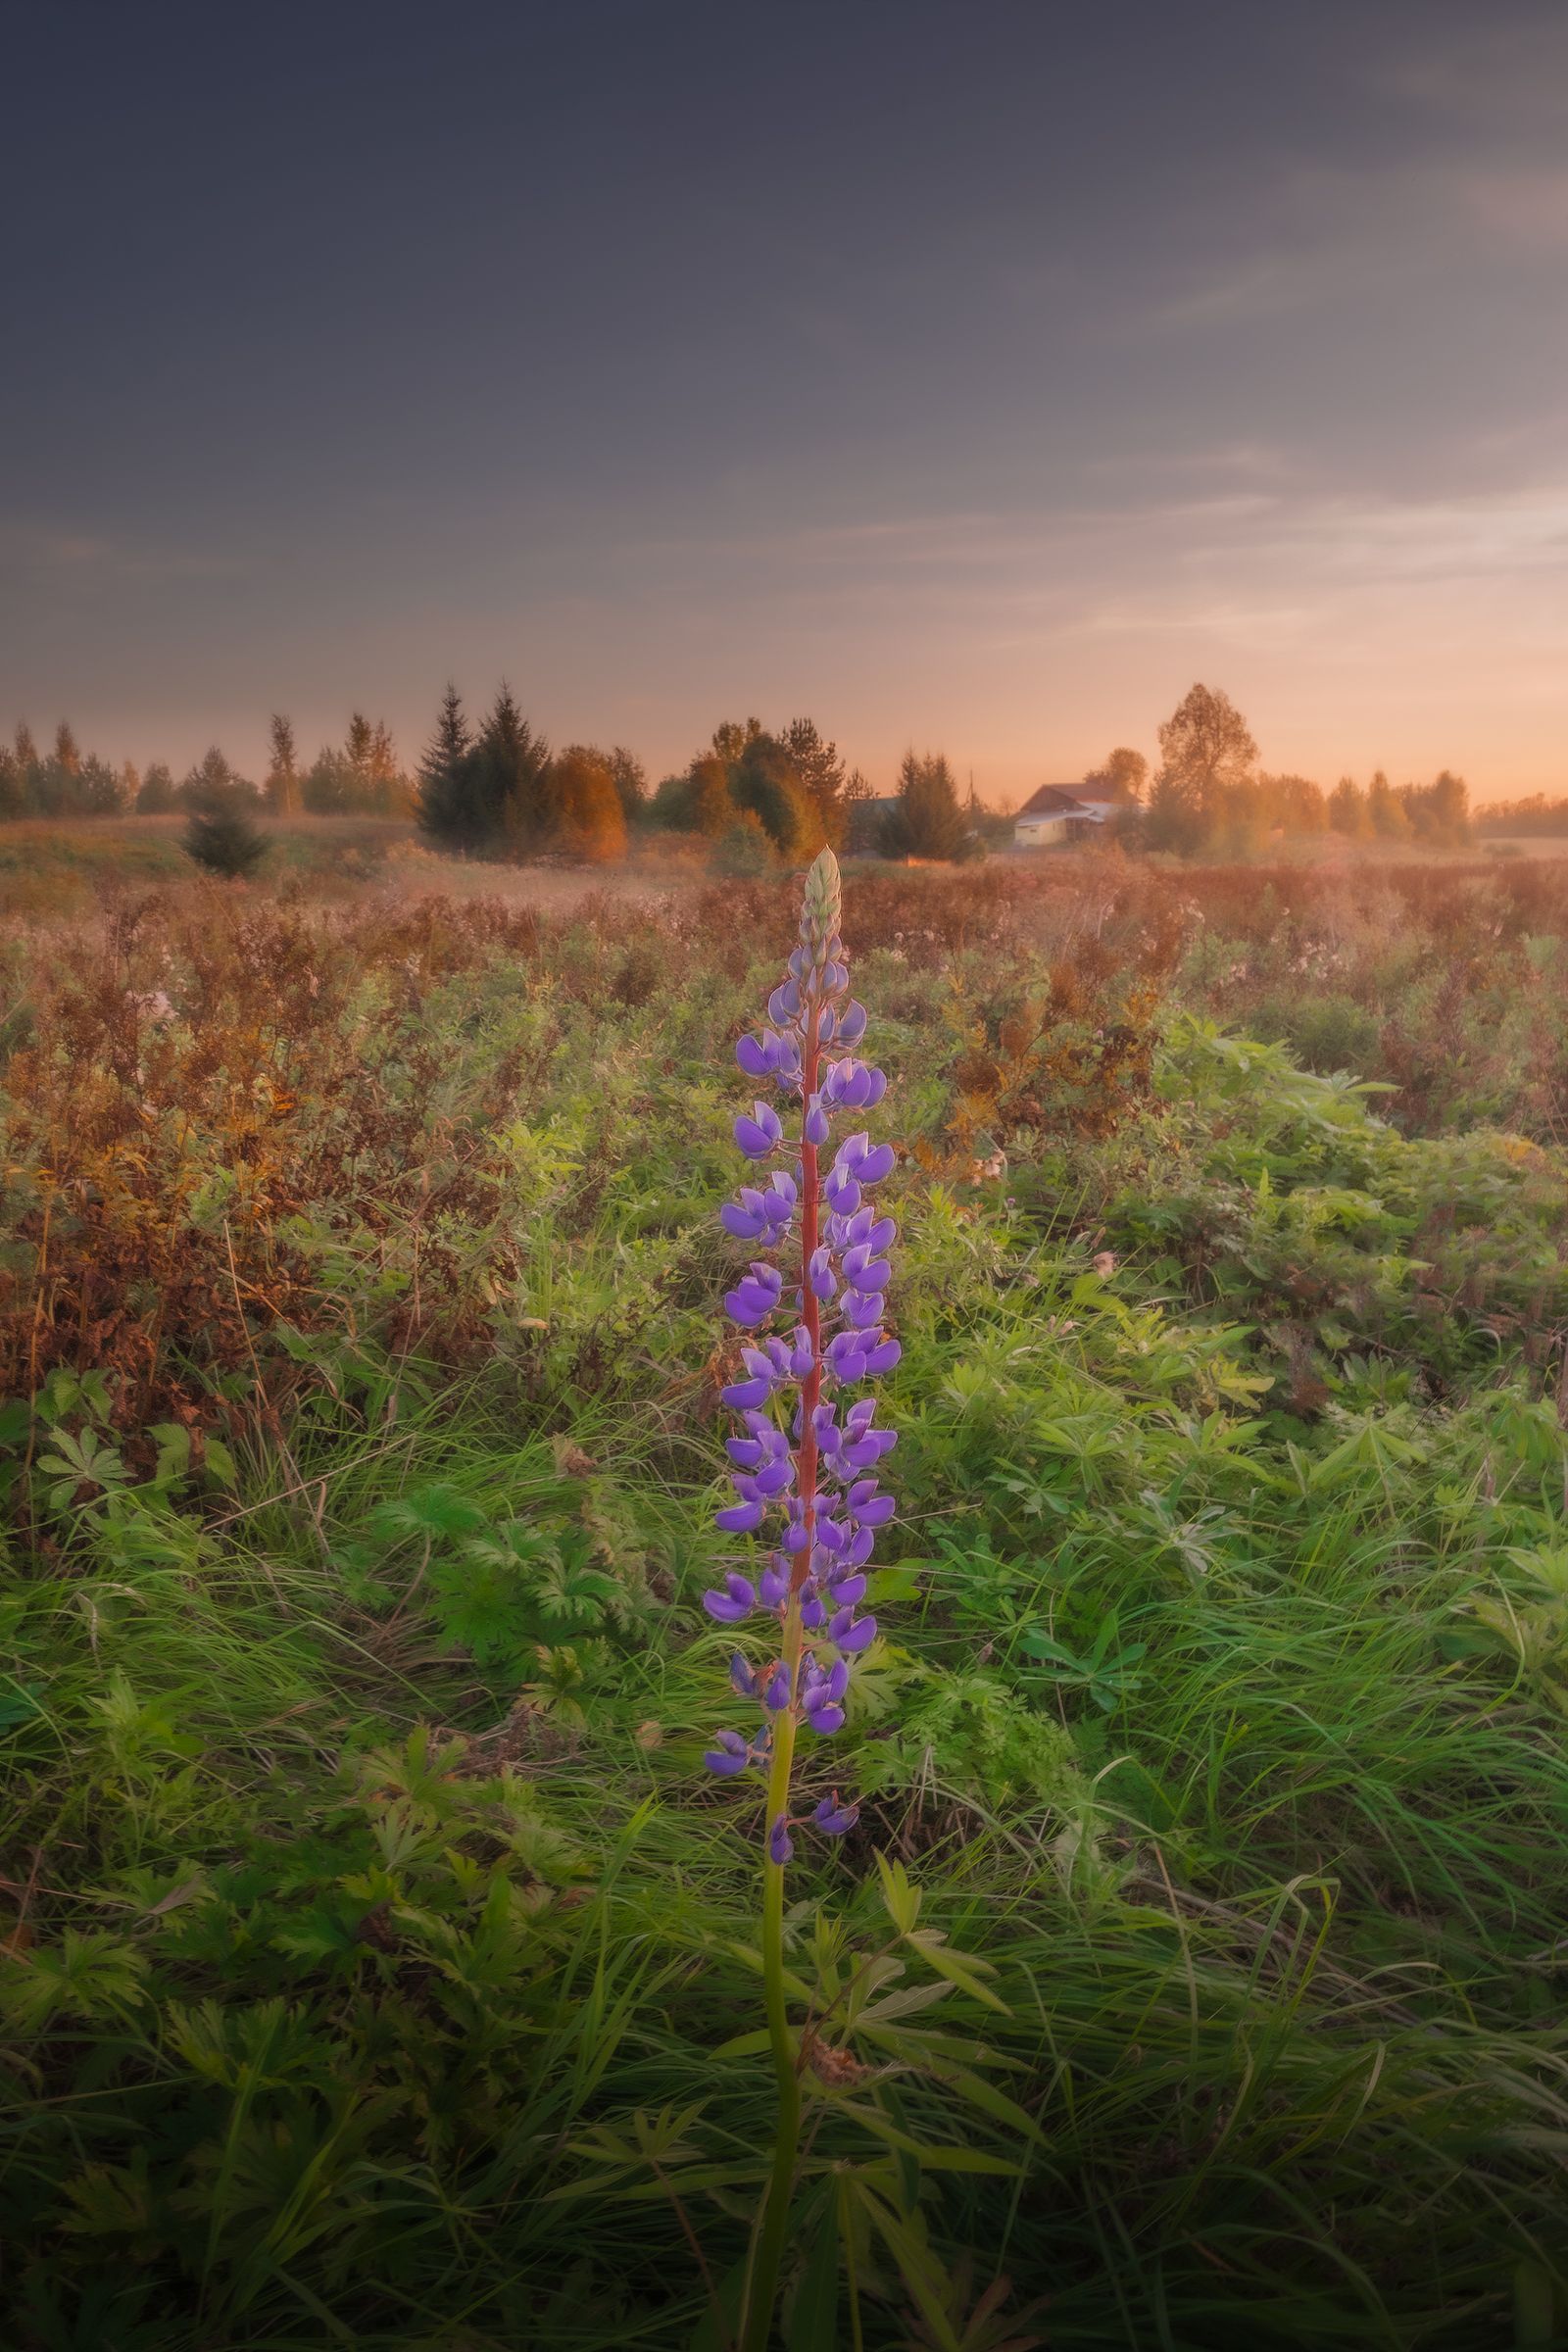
(820, 771)
(358, 750)
(631, 781)
(928, 822)
(282, 786)
(510, 801)
(221, 836)
(157, 796)
(439, 776)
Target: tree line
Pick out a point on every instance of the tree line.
(1536, 817)
(362, 776)
(757, 794)
(496, 788)
(1210, 797)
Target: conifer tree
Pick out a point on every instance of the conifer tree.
(820, 771)
(440, 775)
(510, 801)
(157, 796)
(357, 753)
(928, 822)
(282, 786)
(631, 781)
(221, 837)
(211, 774)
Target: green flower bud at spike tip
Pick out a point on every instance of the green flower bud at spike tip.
(819, 915)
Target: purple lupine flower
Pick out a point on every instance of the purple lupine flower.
(756, 1295)
(805, 1470)
(760, 1135)
(737, 1600)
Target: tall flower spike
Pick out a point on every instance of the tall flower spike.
(805, 1472)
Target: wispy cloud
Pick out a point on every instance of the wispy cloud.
(66, 554)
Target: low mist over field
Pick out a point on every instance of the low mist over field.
(784, 1180)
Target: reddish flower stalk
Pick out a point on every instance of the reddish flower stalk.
(799, 1459)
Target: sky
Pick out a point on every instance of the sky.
(972, 376)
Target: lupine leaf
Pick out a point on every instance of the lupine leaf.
(901, 1900)
(958, 1970)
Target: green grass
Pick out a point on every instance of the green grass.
(374, 1936)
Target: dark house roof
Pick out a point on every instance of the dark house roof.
(1053, 800)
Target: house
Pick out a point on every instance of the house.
(1054, 814)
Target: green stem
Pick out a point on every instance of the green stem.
(786, 2146)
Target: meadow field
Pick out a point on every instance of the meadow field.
(378, 1964)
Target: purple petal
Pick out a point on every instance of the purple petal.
(852, 1635)
(739, 1518)
(736, 1601)
(780, 1846)
(841, 1192)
